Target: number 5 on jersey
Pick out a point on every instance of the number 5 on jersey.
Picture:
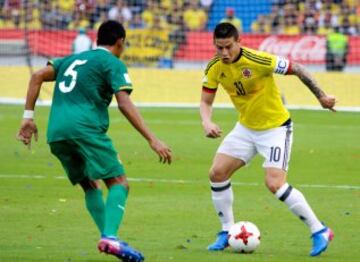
(70, 71)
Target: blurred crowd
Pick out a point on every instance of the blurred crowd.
(286, 17)
(293, 17)
(187, 15)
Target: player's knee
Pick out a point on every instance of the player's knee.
(272, 187)
(272, 184)
(217, 174)
(274, 179)
(89, 185)
(119, 180)
(126, 185)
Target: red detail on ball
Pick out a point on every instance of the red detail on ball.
(244, 235)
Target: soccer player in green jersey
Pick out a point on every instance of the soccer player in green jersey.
(84, 86)
(264, 127)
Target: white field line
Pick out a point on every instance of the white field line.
(198, 123)
(180, 181)
(19, 101)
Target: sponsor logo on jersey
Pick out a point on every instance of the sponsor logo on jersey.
(246, 72)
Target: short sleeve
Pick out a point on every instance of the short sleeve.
(119, 78)
(209, 80)
(56, 63)
(268, 63)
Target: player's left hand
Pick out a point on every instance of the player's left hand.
(163, 150)
(328, 102)
(27, 130)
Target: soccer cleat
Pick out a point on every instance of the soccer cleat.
(221, 242)
(321, 240)
(119, 249)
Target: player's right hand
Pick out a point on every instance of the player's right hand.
(212, 130)
(163, 151)
(27, 130)
(328, 102)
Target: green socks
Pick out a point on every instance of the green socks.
(96, 207)
(114, 210)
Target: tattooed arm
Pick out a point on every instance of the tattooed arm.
(305, 77)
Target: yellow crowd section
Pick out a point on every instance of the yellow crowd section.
(184, 86)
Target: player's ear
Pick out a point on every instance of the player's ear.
(120, 43)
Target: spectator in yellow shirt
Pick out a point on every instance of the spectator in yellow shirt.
(67, 5)
(232, 19)
(261, 25)
(152, 10)
(194, 17)
(290, 26)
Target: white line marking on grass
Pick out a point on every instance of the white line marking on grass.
(171, 181)
(21, 101)
(161, 122)
(179, 181)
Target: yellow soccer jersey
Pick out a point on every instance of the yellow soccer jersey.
(250, 84)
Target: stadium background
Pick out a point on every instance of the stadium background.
(169, 214)
(170, 42)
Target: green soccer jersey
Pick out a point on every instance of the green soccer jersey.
(85, 84)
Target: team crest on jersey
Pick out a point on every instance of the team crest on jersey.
(246, 72)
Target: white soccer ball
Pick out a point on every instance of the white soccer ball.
(244, 237)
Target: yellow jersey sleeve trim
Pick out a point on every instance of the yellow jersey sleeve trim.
(125, 87)
(211, 63)
(210, 78)
(209, 86)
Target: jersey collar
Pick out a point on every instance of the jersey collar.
(238, 57)
(102, 48)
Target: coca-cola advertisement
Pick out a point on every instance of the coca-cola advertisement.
(306, 49)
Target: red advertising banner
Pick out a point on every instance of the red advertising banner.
(307, 49)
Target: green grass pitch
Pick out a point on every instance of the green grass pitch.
(169, 214)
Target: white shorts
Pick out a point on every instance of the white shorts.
(273, 144)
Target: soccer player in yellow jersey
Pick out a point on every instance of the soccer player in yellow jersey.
(264, 127)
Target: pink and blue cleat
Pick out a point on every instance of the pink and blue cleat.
(220, 243)
(320, 241)
(120, 249)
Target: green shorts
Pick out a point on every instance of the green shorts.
(90, 158)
